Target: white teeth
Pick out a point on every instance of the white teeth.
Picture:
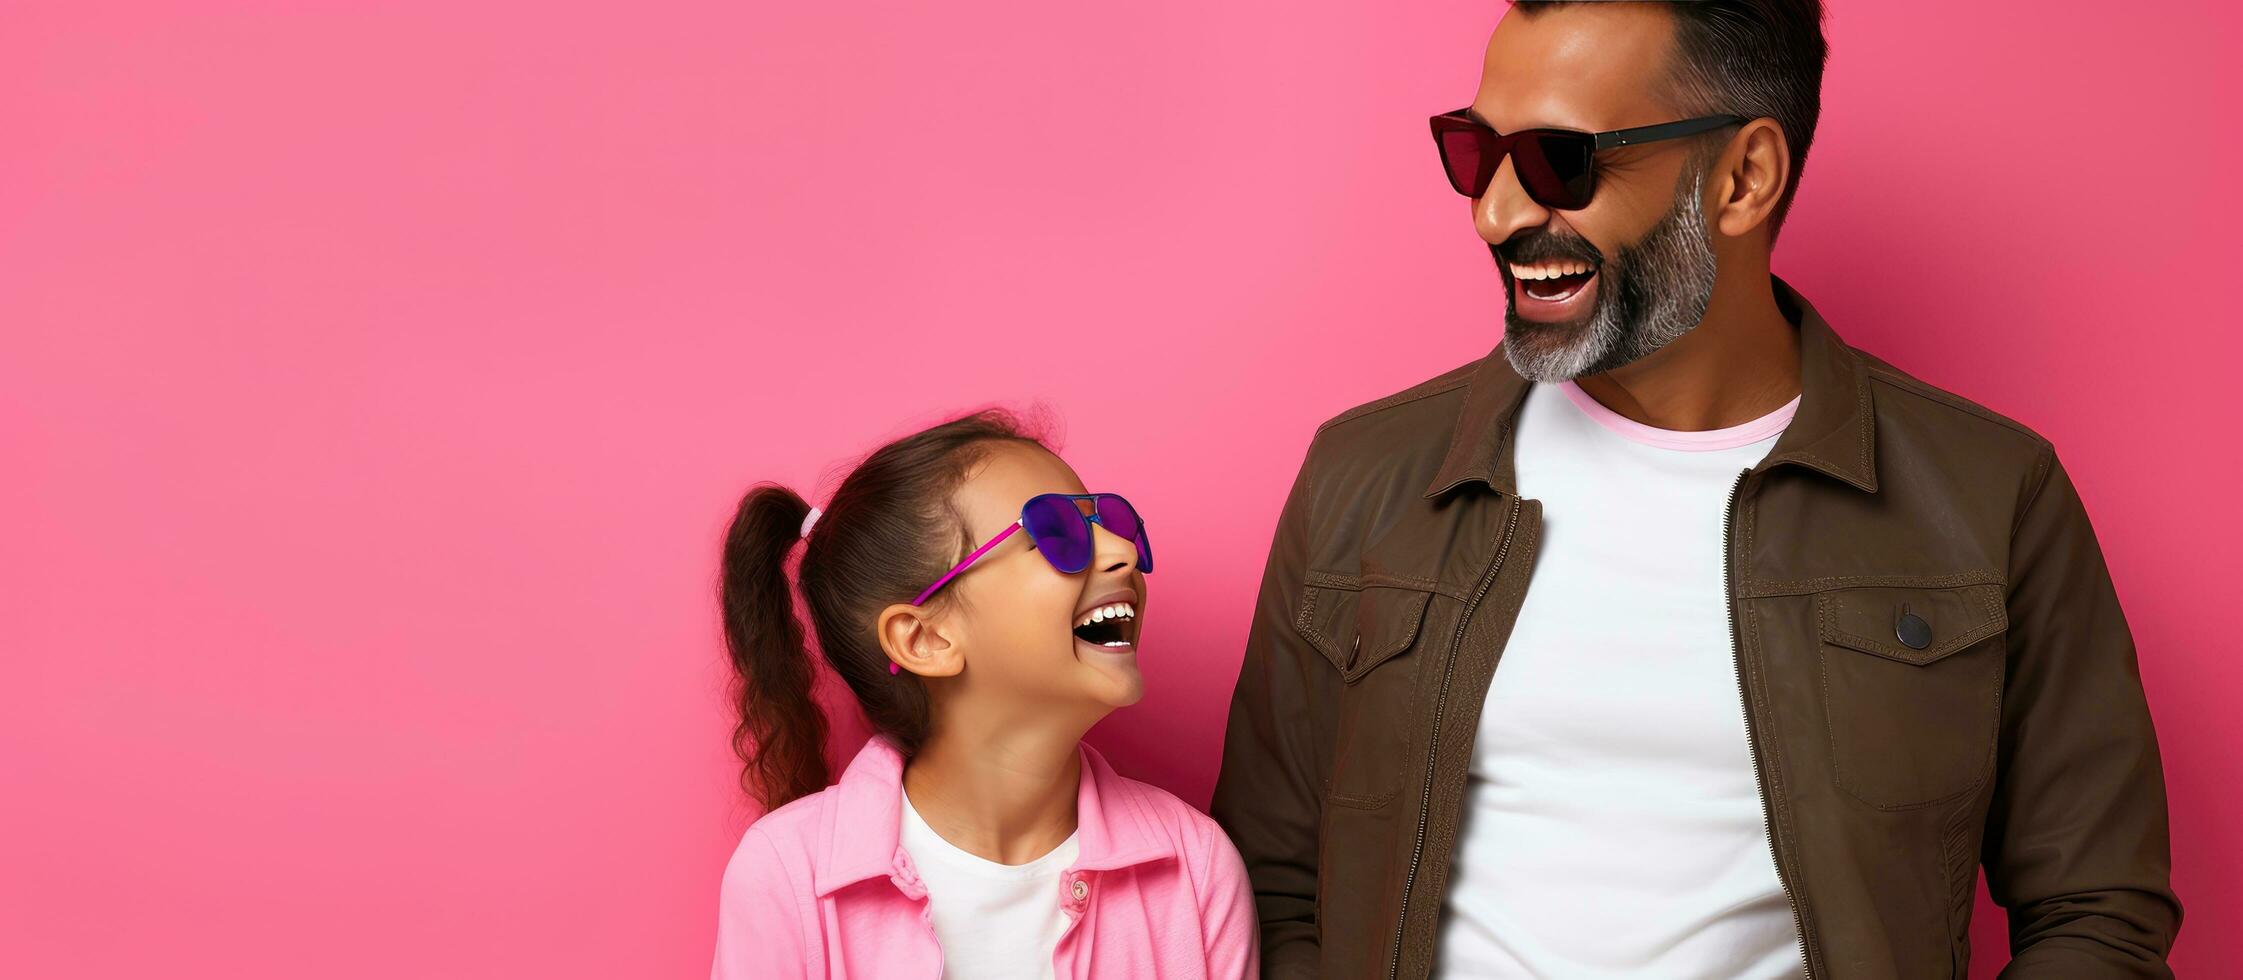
(1118, 610)
(1548, 270)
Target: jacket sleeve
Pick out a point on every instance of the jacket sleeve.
(1277, 750)
(760, 917)
(2076, 847)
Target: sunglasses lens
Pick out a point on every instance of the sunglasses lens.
(1057, 526)
(1116, 515)
(1463, 156)
(1557, 169)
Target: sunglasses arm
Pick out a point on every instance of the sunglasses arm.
(1664, 131)
(960, 568)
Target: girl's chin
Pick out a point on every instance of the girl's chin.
(1131, 693)
(1120, 683)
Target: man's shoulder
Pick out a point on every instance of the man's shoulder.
(1908, 406)
(1386, 448)
(1390, 441)
(1426, 398)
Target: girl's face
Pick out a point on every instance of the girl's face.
(1011, 621)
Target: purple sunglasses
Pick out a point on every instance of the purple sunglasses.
(1059, 524)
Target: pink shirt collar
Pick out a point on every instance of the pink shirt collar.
(863, 829)
(1765, 427)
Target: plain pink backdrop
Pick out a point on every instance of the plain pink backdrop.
(377, 378)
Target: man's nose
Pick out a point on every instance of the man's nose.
(1506, 209)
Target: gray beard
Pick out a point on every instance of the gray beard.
(1654, 291)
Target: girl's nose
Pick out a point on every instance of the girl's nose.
(1114, 553)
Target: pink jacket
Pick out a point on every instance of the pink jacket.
(822, 888)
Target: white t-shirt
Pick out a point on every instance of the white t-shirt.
(993, 921)
(1612, 826)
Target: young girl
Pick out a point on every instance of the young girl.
(984, 609)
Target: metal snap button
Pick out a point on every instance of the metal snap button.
(1912, 631)
(1081, 890)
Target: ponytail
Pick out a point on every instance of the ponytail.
(781, 734)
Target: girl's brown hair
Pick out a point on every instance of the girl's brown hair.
(890, 529)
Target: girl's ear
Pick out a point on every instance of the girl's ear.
(920, 640)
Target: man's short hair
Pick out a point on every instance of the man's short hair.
(1752, 58)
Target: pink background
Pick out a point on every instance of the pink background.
(377, 377)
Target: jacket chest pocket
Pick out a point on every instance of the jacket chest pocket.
(1912, 686)
(1370, 635)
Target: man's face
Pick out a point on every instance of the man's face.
(1596, 288)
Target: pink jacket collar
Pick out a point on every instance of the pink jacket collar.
(862, 828)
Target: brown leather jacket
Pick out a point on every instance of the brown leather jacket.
(1892, 762)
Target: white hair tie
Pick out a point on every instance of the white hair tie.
(810, 519)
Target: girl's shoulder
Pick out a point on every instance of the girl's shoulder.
(1159, 804)
(779, 845)
(1191, 831)
(864, 795)
(767, 921)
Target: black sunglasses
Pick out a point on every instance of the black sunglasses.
(1556, 166)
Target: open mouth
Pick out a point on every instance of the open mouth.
(1112, 626)
(1554, 281)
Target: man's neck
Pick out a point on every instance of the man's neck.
(1740, 363)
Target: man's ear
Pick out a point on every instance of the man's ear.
(919, 640)
(1750, 177)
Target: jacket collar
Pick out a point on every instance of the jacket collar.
(863, 825)
(1834, 431)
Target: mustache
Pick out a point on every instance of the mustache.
(1528, 247)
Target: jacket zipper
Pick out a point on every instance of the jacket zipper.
(1752, 737)
(1433, 752)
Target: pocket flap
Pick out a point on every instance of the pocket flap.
(1358, 629)
(1911, 625)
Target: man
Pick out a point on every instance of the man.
(1675, 638)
